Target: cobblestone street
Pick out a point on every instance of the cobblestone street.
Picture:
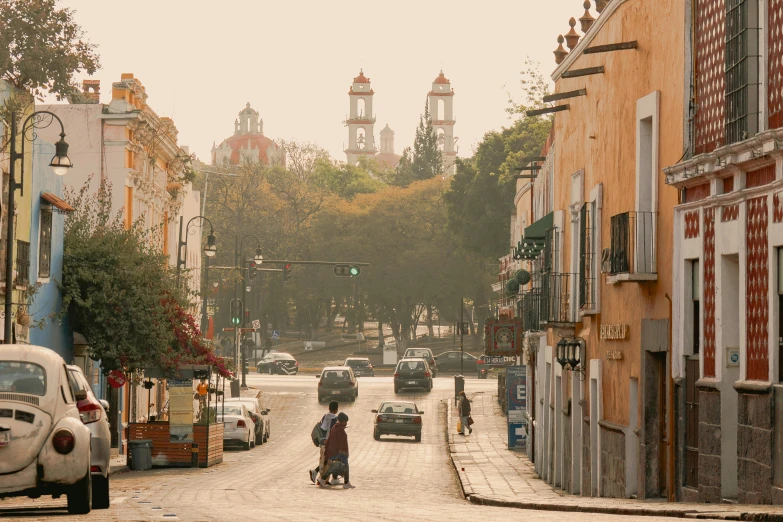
(395, 479)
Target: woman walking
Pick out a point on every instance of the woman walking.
(464, 414)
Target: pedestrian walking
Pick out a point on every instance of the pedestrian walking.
(201, 392)
(325, 426)
(337, 453)
(464, 414)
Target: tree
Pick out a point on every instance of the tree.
(42, 48)
(427, 159)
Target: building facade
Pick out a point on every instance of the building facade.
(727, 262)
(592, 230)
(441, 105)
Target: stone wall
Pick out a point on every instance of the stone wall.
(612, 463)
(709, 446)
(586, 480)
(755, 448)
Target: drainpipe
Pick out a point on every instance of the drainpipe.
(670, 427)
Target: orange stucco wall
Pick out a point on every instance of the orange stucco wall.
(598, 134)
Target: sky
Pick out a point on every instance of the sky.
(294, 61)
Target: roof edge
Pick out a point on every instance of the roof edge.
(605, 15)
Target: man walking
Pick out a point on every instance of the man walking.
(464, 413)
(327, 422)
(337, 452)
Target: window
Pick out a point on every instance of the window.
(587, 256)
(45, 243)
(22, 377)
(780, 315)
(22, 262)
(742, 70)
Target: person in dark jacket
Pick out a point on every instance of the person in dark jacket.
(337, 451)
(464, 413)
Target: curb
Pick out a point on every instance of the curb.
(672, 511)
(116, 470)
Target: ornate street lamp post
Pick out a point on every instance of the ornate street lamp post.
(60, 164)
(209, 251)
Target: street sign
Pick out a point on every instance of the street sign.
(308, 345)
(246, 330)
(228, 329)
(516, 401)
(256, 323)
(275, 334)
(116, 379)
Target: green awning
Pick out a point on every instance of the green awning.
(538, 229)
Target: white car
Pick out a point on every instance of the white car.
(257, 413)
(238, 427)
(44, 446)
(96, 419)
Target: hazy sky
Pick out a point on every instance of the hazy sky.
(294, 60)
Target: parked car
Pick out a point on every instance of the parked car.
(257, 413)
(450, 361)
(337, 381)
(412, 373)
(44, 445)
(422, 353)
(361, 366)
(238, 427)
(278, 362)
(96, 419)
(397, 418)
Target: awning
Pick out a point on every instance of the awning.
(57, 202)
(538, 229)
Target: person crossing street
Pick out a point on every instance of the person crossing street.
(337, 453)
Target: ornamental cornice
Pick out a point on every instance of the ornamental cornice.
(740, 156)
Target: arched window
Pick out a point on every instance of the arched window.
(360, 138)
(360, 106)
(441, 109)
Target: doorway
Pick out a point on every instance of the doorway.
(691, 424)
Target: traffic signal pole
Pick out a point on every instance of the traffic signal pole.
(461, 336)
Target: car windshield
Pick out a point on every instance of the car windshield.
(278, 356)
(232, 410)
(336, 375)
(397, 407)
(411, 365)
(22, 377)
(357, 362)
(418, 353)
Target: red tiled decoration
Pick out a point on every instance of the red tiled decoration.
(777, 210)
(757, 293)
(697, 192)
(709, 292)
(729, 213)
(760, 177)
(775, 63)
(710, 73)
(691, 224)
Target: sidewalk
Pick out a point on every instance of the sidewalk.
(492, 475)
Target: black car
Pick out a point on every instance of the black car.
(412, 373)
(361, 366)
(450, 361)
(337, 381)
(397, 418)
(277, 362)
(422, 353)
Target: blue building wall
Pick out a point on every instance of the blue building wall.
(48, 299)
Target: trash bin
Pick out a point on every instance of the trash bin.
(235, 388)
(141, 454)
(459, 385)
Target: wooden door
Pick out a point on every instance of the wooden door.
(691, 423)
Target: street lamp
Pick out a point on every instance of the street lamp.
(60, 164)
(258, 258)
(209, 251)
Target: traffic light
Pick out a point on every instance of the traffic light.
(287, 272)
(346, 270)
(247, 317)
(251, 269)
(236, 312)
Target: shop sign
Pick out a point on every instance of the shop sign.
(614, 355)
(732, 356)
(614, 331)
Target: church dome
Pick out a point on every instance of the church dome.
(361, 78)
(441, 79)
(248, 141)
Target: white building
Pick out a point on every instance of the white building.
(441, 102)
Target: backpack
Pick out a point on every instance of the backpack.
(317, 434)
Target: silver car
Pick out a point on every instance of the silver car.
(94, 416)
(238, 428)
(257, 413)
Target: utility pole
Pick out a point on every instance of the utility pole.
(236, 297)
(461, 336)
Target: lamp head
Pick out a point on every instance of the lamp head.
(259, 258)
(210, 250)
(61, 162)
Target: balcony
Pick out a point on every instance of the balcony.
(633, 253)
(22, 263)
(529, 309)
(555, 308)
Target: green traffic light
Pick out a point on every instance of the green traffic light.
(354, 271)
(235, 320)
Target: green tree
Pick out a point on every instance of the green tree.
(402, 175)
(41, 47)
(427, 161)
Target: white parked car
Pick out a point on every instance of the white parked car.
(257, 413)
(96, 419)
(238, 427)
(44, 446)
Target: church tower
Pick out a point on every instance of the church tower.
(360, 121)
(441, 102)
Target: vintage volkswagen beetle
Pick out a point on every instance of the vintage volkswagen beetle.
(44, 446)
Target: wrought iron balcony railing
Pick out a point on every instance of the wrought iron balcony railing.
(634, 244)
(556, 298)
